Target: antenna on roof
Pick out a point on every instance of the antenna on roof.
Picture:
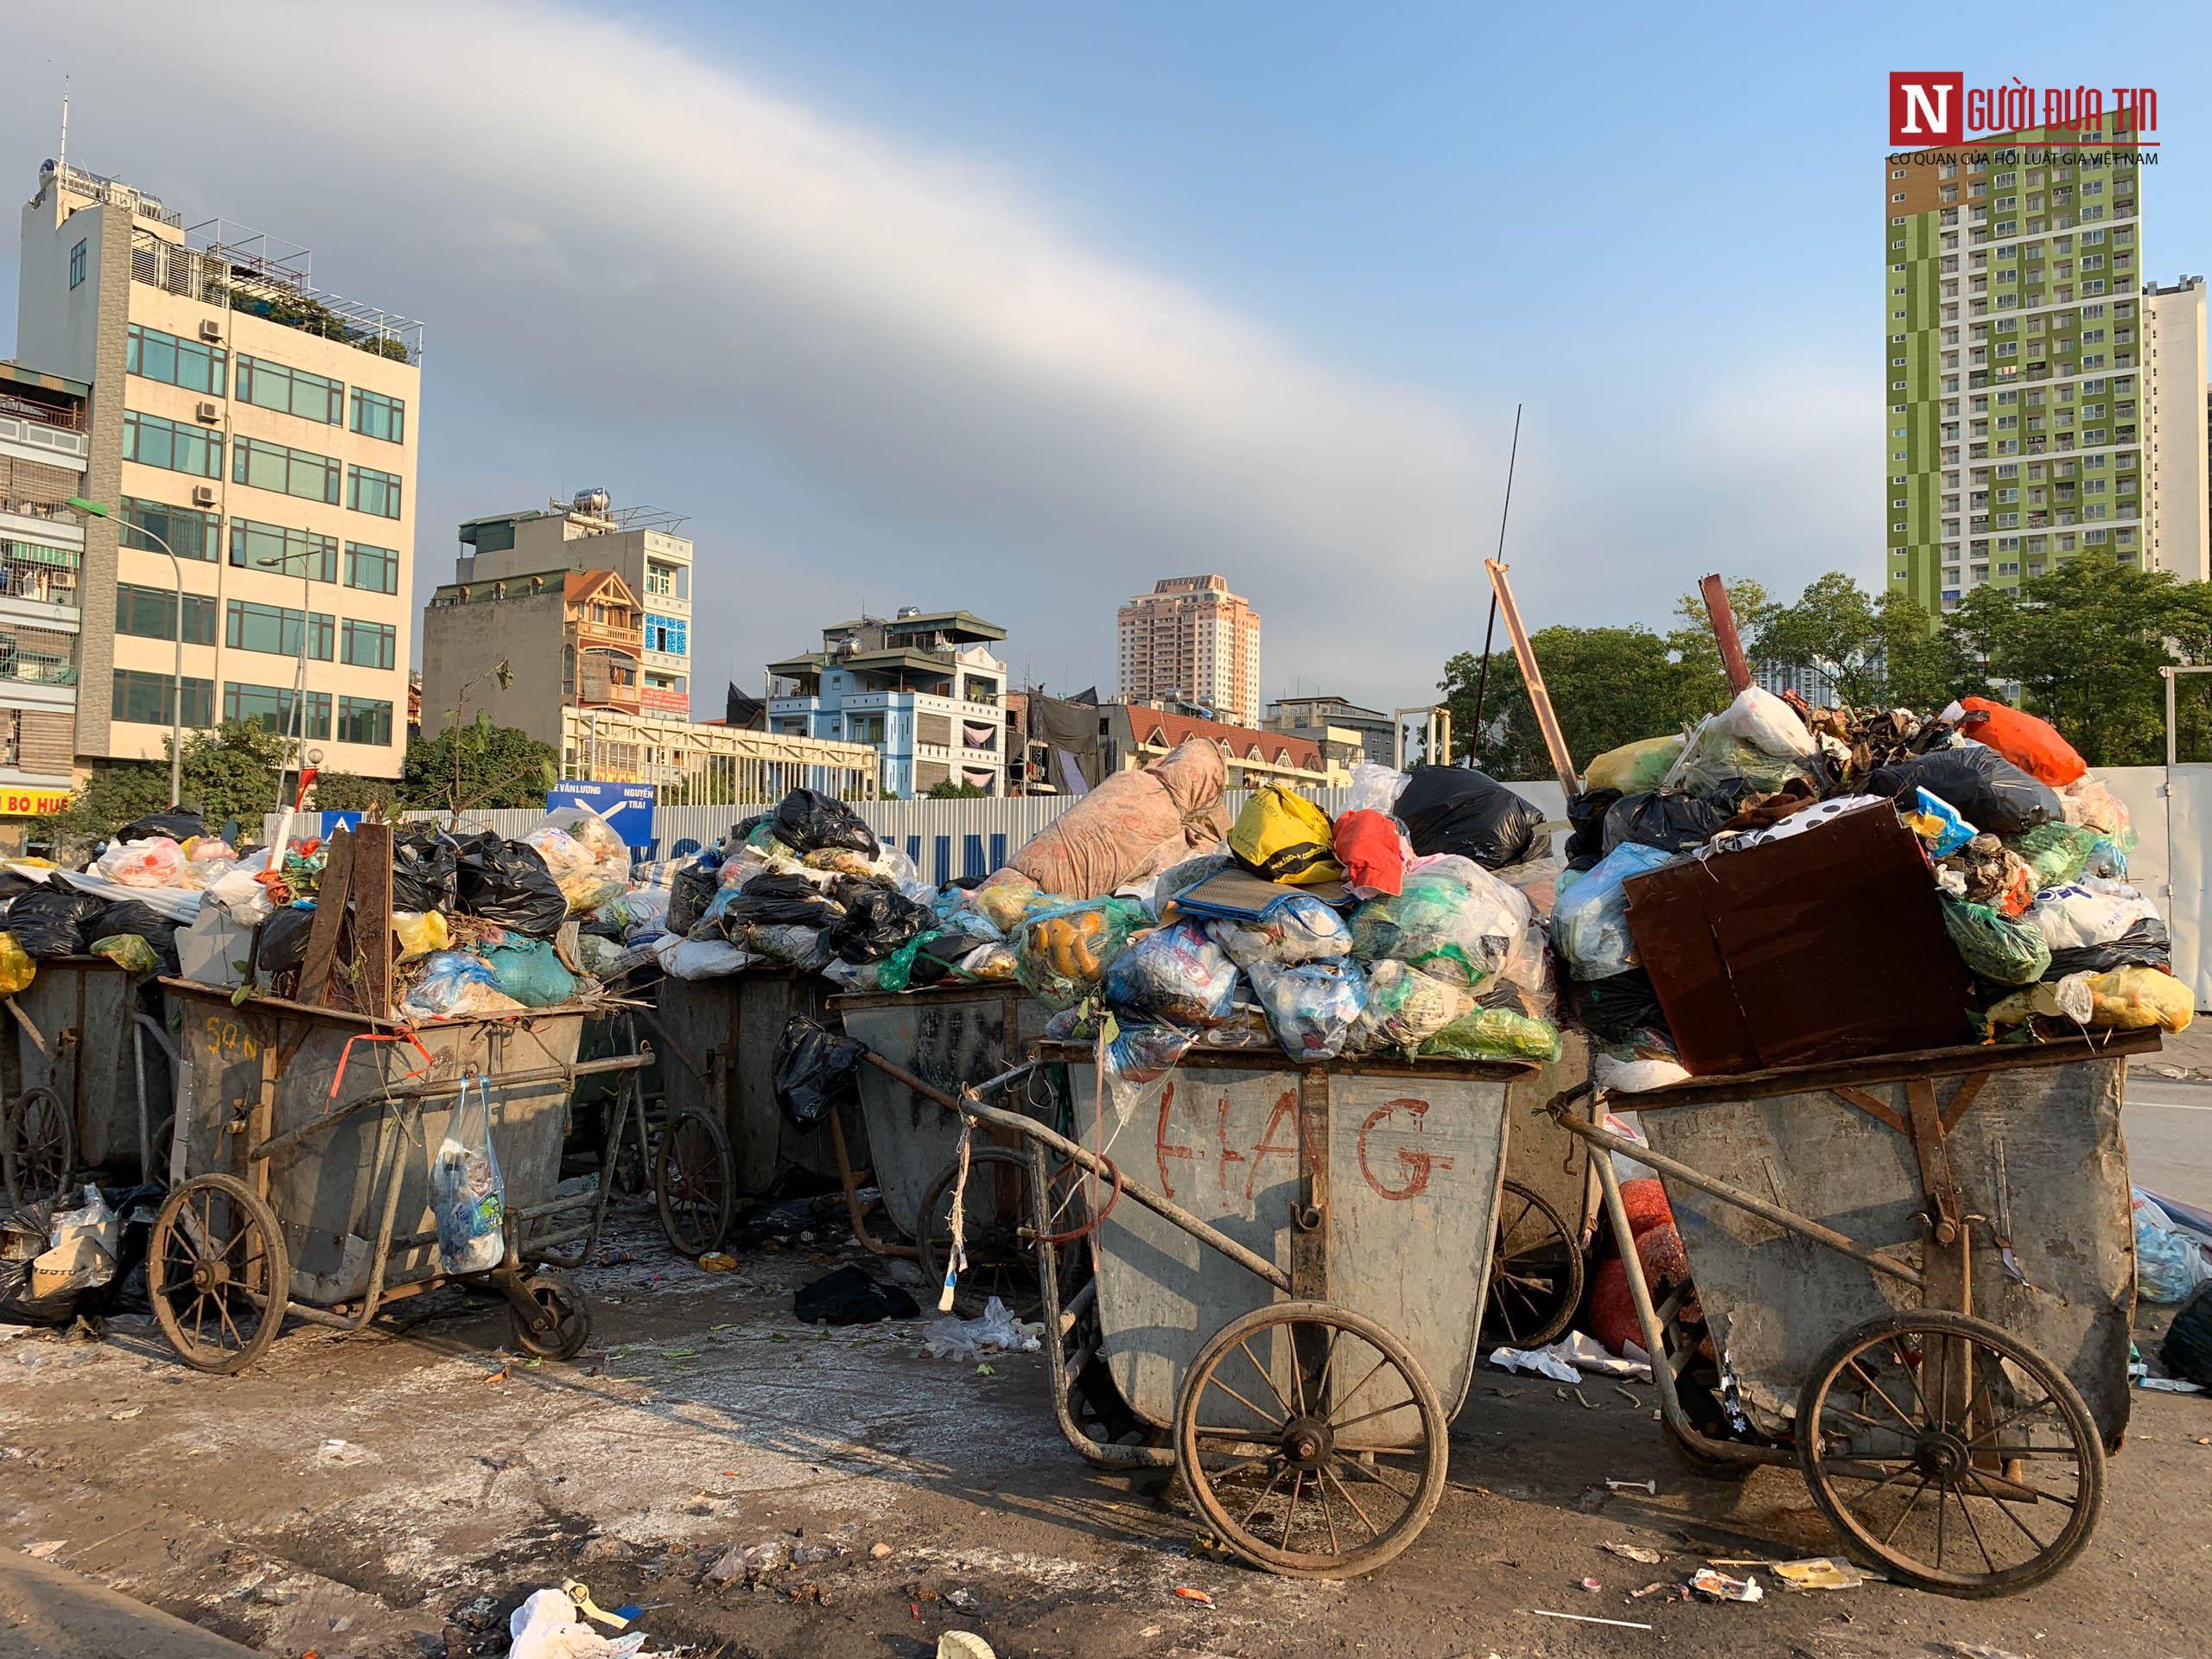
(65, 126)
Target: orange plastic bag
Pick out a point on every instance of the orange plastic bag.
(2034, 746)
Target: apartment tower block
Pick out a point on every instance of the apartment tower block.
(1191, 640)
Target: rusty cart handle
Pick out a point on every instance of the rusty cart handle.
(970, 1107)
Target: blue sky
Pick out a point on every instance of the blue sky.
(1017, 309)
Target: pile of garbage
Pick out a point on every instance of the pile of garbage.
(1729, 891)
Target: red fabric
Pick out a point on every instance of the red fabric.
(1373, 853)
(1611, 1317)
(2034, 746)
(1645, 1201)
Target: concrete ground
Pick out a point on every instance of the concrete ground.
(395, 1496)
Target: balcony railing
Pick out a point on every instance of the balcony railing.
(35, 670)
(41, 582)
(68, 417)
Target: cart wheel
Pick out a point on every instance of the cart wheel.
(1535, 1271)
(1914, 1403)
(695, 1181)
(564, 1314)
(1307, 1476)
(164, 1134)
(218, 1274)
(1000, 1261)
(38, 1148)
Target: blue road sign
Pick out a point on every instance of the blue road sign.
(628, 808)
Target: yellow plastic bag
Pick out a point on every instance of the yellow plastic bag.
(1634, 767)
(130, 952)
(421, 932)
(2134, 999)
(16, 969)
(1284, 836)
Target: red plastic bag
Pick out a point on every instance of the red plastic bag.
(2034, 746)
(1372, 852)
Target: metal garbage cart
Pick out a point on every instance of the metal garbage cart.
(1547, 1209)
(302, 1162)
(84, 1076)
(1307, 1398)
(1918, 1272)
(951, 1036)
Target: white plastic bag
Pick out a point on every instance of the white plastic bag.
(1375, 788)
(700, 958)
(467, 1196)
(996, 1330)
(546, 1627)
(2092, 912)
(1767, 724)
(156, 862)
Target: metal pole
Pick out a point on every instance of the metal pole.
(2167, 674)
(1489, 627)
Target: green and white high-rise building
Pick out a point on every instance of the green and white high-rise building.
(2016, 364)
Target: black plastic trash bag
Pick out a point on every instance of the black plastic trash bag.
(281, 946)
(424, 868)
(1672, 822)
(2146, 944)
(876, 922)
(1456, 810)
(2187, 1351)
(690, 890)
(1987, 791)
(778, 901)
(177, 826)
(1585, 817)
(816, 1071)
(849, 1296)
(1614, 1009)
(506, 882)
(811, 822)
(130, 915)
(50, 920)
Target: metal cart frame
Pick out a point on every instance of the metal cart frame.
(51, 1128)
(1948, 1435)
(218, 1241)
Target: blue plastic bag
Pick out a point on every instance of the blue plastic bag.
(1955, 831)
(1177, 976)
(1590, 921)
(1311, 1007)
(467, 1196)
(531, 971)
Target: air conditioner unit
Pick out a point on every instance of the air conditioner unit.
(210, 330)
(203, 495)
(207, 413)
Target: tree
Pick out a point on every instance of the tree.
(231, 772)
(498, 766)
(349, 791)
(952, 789)
(1880, 653)
(1705, 678)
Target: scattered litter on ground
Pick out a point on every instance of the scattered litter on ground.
(1593, 1586)
(717, 1262)
(1632, 1553)
(341, 1454)
(963, 1644)
(1819, 1573)
(1185, 1593)
(1569, 1359)
(993, 1330)
(1650, 1486)
(1716, 1585)
(1591, 1618)
(45, 1548)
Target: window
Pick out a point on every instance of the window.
(287, 552)
(367, 645)
(665, 633)
(151, 613)
(175, 362)
(150, 699)
(373, 570)
(289, 391)
(368, 490)
(660, 579)
(77, 265)
(276, 630)
(361, 720)
(190, 534)
(273, 707)
(152, 441)
(376, 416)
(287, 471)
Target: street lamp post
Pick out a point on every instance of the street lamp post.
(96, 509)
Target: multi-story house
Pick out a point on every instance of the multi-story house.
(262, 429)
(922, 688)
(571, 640)
(43, 444)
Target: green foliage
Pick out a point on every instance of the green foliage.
(500, 767)
(950, 789)
(1883, 653)
(229, 773)
(349, 791)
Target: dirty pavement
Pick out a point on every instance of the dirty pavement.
(396, 1497)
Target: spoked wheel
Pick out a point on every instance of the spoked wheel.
(562, 1324)
(1310, 1441)
(695, 1182)
(1949, 1455)
(1535, 1271)
(38, 1148)
(164, 1138)
(218, 1274)
(1000, 1261)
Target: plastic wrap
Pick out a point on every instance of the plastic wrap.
(2055, 852)
(467, 1196)
(156, 862)
(1720, 766)
(1590, 922)
(1767, 724)
(1633, 768)
(1313, 1007)
(128, 951)
(455, 984)
(1375, 788)
(50, 920)
(17, 967)
(1007, 899)
(876, 924)
(1495, 1034)
(690, 890)
(424, 868)
(700, 958)
(1132, 826)
(1663, 818)
(816, 1071)
(1454, 921)
(2088, 912)
(1374, 853)
(2146, 944)
(1302, 928)
(507, 882)
(2090, 803)
(1062, 956)
(1176, 975)
(2032, 745)
(177, 825)
(2133, 998)
(1406, 1008)
(1937, 823)
(531, 972)
(129, 918)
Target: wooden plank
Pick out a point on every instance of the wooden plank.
(371, 878)
(1532, 680)
(1893, 1068)
(330, 916)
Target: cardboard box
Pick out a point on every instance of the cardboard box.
(1824, 946)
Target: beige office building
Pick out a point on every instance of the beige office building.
(264, 427)
(1191, 640)
(2174, 392)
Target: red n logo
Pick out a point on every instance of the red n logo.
(1927, 108)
